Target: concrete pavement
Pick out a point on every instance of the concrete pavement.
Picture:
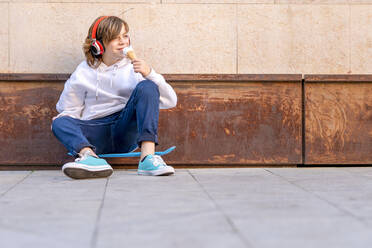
(237, 207)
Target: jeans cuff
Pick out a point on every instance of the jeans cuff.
(78, 148)
(147, 137)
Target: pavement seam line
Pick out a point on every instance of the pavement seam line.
(94, 239)
(227, 218)
(15, 185)
(321, 198)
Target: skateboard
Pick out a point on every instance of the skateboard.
(132, 154)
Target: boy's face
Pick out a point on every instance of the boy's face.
(115, 47)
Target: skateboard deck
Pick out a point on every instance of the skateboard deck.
(132, 154)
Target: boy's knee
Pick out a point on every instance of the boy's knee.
(56, 124)
(148, 87)
(59, 122)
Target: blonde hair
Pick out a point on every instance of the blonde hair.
(108, 29)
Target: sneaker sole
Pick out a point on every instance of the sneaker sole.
(165, 172)
(78, 173)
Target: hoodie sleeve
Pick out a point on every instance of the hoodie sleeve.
(71, 101)
(168, 97)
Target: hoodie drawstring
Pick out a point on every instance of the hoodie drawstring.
(113, 74)
(97, 85)
(111, 79)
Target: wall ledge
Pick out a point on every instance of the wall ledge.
(53, 77)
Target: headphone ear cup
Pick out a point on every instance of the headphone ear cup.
(97, 48)
(101, 46)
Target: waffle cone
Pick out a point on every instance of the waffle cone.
(131, 55)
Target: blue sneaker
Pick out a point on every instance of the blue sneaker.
(87, 166)
(154, 165)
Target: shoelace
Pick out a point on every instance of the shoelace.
(157, 160)
(81, 157)
(84, 156)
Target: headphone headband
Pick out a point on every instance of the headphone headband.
(97, 47)
(95, 27)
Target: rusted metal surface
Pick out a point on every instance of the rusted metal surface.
(341, 78)
(29, 77)
(234, 77)
(26, 111)
(338, 120)
(38, 77)
(214, 123)
(245, 123)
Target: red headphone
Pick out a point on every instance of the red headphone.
(97, 47)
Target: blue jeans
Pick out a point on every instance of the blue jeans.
(119, 132)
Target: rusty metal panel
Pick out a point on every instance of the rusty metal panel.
(26, 111)
(214, 123)
(235, 123)
(338, 120)
(52, 77)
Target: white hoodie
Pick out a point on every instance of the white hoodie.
(93, 93)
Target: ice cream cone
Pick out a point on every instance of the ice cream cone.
(131, 55)
(129, 52)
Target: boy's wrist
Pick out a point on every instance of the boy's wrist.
(147, 73)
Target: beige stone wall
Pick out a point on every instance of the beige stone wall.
(196, 36)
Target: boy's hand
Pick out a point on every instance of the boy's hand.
(140, 66)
